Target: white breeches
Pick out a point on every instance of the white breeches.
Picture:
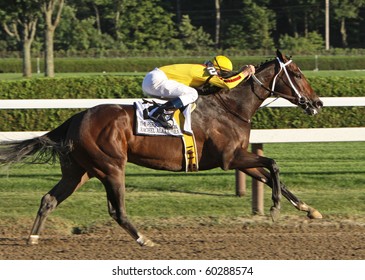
(157, 84)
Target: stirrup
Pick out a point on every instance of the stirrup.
(153, 102)
(163, 119)
(147, 110)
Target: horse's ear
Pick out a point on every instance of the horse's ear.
(280, 56)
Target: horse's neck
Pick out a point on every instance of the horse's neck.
(247, 97)
(243, 100)
(266, 74)
(255, 94)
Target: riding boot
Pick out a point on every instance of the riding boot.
(163, 114)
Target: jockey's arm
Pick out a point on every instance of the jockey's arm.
(234, 80)
(228, 83)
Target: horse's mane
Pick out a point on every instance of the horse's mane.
(262, 65)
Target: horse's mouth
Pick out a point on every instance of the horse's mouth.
(311, 107)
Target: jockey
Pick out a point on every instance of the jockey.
(179, 83)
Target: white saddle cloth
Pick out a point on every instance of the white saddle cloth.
(149, 127)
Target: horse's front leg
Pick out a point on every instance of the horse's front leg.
(262, 175)
(244, 160)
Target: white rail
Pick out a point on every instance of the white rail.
(301, 135)
(257, 135)
(87, 103)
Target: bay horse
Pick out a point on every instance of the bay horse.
(99, 141)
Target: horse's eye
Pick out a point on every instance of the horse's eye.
(298, 75)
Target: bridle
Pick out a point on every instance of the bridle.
(298, 99)
(301, 100)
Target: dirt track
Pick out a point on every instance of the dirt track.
(244, 239)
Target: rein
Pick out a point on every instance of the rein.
(301, 99)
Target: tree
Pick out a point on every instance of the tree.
(259, 23)
(193, 38)
(312, 43)
(160, 25)
(146, 26)
(117, 10)
(254, 29)
(217, 22)
(95, 8)
(296, 17)
(310, 9)
(75, 34)
(52, 10)
(346, 9)
(234, 38)
(19, 19)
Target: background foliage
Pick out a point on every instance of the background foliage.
(253, 26)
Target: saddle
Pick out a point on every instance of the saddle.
(181, 127)
(166, 117)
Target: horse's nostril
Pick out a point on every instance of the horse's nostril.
(302, 100)
(318, 104)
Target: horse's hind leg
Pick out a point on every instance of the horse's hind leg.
(115, 189)
(262, 175)
(72, 178)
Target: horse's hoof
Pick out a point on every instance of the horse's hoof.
(33, 239)
(314, 214)
(149, 243)
(275, 213)
(143, 241)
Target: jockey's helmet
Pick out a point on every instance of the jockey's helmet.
(222, 62)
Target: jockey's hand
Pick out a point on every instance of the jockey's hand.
(248, 70)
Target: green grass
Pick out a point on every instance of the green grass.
(328, 176)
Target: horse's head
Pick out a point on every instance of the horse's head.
(291, 81)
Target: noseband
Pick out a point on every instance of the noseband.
(302, 101)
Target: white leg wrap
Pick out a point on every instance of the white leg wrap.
(140, 240)
(33, 239)
(143, 241)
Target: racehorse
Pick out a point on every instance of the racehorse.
(98, 142)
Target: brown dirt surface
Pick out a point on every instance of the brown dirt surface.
(252, 239)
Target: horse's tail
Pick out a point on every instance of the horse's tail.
(40, 149)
